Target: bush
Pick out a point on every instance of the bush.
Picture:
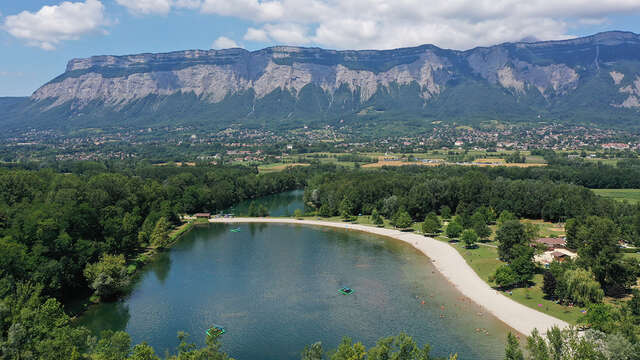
(504, 277)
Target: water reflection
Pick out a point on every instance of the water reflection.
(161, 266)
(114, 316)
(283, 204)
(256, 227)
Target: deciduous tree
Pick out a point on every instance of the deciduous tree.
(402, 220)
(509, 235)
(453, 230)
(160, 236)
(431, 224)
(108, 277)
(469, 238)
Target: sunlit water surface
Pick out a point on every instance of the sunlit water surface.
(275, 289)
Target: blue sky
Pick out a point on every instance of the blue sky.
(36, 43)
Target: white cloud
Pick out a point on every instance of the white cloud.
(147, 6)
(50, 25)
(247, 9)
(159, 7)
(287, 33)
(254, 34)
(187, 4)
(224, 42)
(459, 24)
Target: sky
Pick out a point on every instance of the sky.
(38, 37)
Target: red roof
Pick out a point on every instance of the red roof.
(202, 215)
(558, 254)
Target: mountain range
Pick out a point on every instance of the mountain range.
(587, 80)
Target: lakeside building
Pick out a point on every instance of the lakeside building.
(559, 255)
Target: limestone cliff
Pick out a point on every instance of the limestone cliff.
(526, 79)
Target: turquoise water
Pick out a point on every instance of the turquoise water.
(275, 289)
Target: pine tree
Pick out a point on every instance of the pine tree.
(376, 219)
(512, 350)
(402, 219)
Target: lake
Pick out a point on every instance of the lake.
(274, 287)
(283, 204)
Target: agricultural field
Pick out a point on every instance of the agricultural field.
(428, 158)
(630, 195)
(275, 167)
(612, 162)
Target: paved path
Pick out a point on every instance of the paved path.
(452, 265)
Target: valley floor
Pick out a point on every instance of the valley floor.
(452, 265)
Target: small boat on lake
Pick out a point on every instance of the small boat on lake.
(346, 291)
(235, 230)
(216, 331)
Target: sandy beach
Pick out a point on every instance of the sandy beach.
(452, 265)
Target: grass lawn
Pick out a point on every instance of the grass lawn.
(484, 261)
(630, 195)
(533, 296)
(547, 229)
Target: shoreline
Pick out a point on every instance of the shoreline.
(449, 263)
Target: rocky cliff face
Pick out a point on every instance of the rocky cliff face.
(213, 75)
(538, 76)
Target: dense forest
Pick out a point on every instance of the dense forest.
(79, 229)
(68, 231)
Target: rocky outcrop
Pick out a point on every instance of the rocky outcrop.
(633, 90)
